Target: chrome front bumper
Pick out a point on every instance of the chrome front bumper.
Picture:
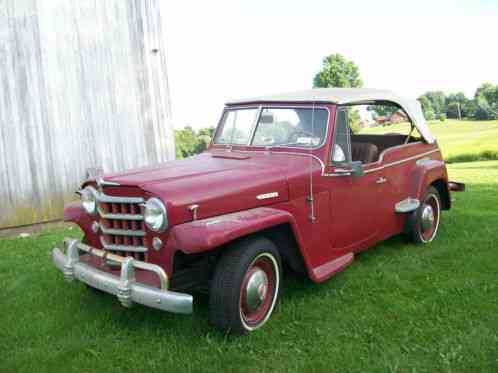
(125, 287)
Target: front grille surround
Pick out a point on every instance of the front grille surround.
(122, 226)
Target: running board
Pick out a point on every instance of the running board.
(407, 205)
(329, 269)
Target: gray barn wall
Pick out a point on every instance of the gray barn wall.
(81, 86)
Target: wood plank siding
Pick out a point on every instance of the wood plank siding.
(83, 84)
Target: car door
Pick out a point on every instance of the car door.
(354, 200)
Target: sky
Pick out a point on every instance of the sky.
(222, 50)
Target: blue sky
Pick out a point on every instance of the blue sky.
(219, 50)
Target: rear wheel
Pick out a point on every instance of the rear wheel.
(424, 222)
(245, 286)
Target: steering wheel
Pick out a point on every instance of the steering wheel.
(293, 136)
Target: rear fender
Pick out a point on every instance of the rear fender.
(207, 234)
(429, 172)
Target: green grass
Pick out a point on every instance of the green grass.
(398, 308)
(460, 141)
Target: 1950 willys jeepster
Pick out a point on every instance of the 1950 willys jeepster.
(303, 181)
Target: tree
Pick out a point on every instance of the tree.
(426, 107)
(454, 110)
(383, 110)
(188, 142)
(489, 92)
(338, 72)
(437, 100)
(185, 140)
(455, 105)
(484, 111)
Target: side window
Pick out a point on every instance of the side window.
(375, 127)
(383, 118)
(341, 149)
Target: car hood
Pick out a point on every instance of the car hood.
(218, 182)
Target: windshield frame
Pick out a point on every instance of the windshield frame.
(256, 123)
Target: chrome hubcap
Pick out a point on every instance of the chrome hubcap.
(427, 218)
(256, 289)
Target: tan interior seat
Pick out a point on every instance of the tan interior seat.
(364, 152)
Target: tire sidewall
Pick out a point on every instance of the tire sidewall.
(226, 285)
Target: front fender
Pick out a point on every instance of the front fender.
(206, 234)
(73, 212)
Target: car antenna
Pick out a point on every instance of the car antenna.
(312, 216)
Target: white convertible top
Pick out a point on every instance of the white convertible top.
(342, 96)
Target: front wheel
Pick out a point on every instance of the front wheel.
(424, 222)
(245, 286)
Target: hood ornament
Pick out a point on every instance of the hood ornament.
(102, 183)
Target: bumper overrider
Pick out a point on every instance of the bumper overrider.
(125, 287)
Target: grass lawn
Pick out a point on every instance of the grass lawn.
(399, 308)
(460, 141)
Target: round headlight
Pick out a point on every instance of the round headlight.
(89, 200)
(155, 215)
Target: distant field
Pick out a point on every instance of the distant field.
(460, 141)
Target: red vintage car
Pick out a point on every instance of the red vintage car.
(301, 181)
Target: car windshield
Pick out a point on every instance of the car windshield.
(293, 127)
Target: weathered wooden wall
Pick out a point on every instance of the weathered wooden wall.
(82, 84)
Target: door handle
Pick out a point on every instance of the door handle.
(381, 180)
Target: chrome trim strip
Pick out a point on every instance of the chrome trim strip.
(119, 216)
(131, 249)
(387, 164)
(267, 195)
(122, 232)
(381, 157)
(104, 198)
(125, 287)
(101, 197)
(337, 175)
(395, 163)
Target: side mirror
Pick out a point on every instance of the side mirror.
(357, 168)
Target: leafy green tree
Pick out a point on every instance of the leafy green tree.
(455, 103)
(484, 111)
(437, 100)
(426, 107)
(470, 109)
(383, 110)
(188, 142)
(337, 72)
(430, 114)
(208, 131)
(354, 120)
(453, 108)
(489, 92)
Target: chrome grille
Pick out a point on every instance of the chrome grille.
(122, 226)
